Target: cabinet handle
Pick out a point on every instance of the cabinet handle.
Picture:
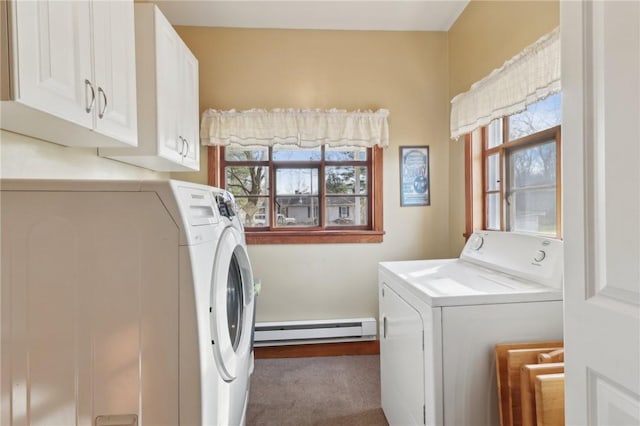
(104, 107)
(89, 106)
(384, 327)
(186, 144)
(181, 146)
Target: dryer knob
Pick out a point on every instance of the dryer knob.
(539, 257)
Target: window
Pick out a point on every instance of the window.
(519, 159)
(288, 194)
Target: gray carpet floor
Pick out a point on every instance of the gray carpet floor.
(320, 391)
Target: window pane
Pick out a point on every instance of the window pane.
(533, 210)
(346, 180)
(539, 116)
(241, 153)
(298, 211)
(240, 180)
(494, 133)
(283, 153)
(254, 211)
(345, 154)
(296, 181)
(533, 166)
(284, 220)
(346, 211)
(493, 172)
(493, 211)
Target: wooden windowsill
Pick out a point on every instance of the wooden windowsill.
(314, 237)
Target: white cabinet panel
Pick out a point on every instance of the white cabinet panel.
(88, 329)
(168, 109)
(71, 77)
(168, 94)
(54, 57)
(115, 70)
(190, 111)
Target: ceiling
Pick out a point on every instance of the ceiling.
(388, 15)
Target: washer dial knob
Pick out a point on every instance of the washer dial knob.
(539, 257)
(476, 242)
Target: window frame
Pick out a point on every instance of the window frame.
(477, 156)
(373, 233)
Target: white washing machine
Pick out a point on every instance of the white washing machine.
(440, 320)
(123, 302)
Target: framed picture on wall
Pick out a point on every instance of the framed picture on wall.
(414, 176)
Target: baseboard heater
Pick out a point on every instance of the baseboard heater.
(315, 331)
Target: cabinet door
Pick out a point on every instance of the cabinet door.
(401, 360)
(189, 111)
(54, 58)
(115, 70)
(169, 89)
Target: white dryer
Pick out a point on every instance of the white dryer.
(440, 320)
(123, 302)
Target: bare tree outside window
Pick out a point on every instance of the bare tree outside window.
(521, 169)
(541, 115)
(249, 184)
(296, 197)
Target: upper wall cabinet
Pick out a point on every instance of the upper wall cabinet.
(69, 71)
(168, 107)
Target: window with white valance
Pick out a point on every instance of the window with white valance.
(526, 78)
(300, 176)
(300, 127)
(512, 121)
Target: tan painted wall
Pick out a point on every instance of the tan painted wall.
(486, 34)
(404, 72)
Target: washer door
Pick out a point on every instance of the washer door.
(231, 305)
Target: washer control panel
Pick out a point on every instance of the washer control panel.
(532, 257)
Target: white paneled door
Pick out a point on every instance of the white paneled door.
(601, 178)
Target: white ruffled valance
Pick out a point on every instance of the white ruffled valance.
(531, 75)
(304, 128)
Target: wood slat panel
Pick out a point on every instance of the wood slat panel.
(516, 358)
(550, 400)
(503, 378)
(528, 374)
